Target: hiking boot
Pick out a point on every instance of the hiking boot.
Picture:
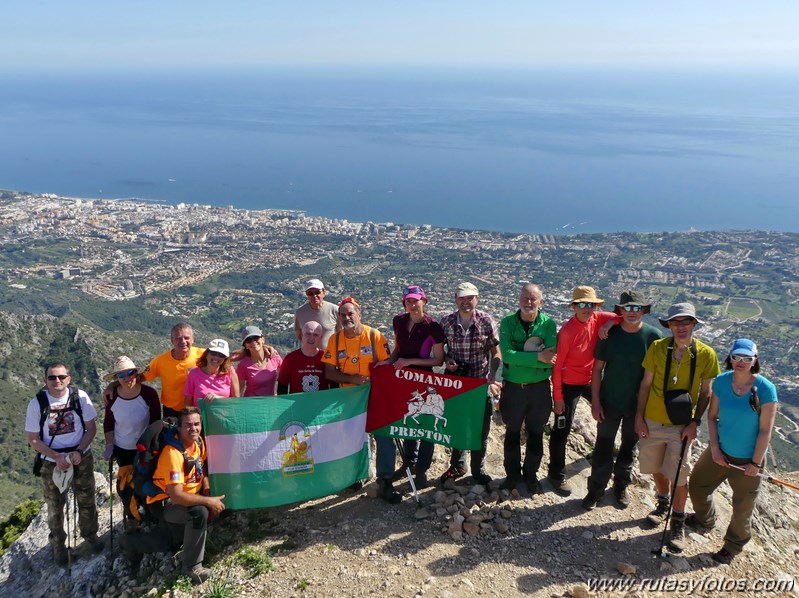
(621, 496)
(533, 485)
(60, 555)
(96, 543)
(510, 482)
(692, 522)
(482, 478)
(561, 487)
(198, 574)
(655, 518)
(591, 500)
(385, 490)
(453, 473)
(723, 557)
(134, 557)
(677, 534)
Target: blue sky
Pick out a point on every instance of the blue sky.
(728, 34)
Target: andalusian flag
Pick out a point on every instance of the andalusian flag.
(270, 451)
(408, 403)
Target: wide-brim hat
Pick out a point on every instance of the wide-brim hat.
(123, 363)
(680, 310)
(587, 294)
(632, 298)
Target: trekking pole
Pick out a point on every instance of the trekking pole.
(111, 505)
(769, 478)
(74, 513)
(408, 473)
(660, 552)
(66, 508)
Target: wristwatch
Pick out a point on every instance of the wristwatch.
(697, 421)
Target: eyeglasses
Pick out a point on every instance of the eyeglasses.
(313, 293)
(584, 304)
(251, 339)
(632, 307)
(121, 375)
(415, 290)
(754, 401)
(744, 358)
(54, 377)
(216, 354)
(682, 322)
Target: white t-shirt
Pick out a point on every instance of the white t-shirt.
(327, 316)
(131, 418)
(69, 431)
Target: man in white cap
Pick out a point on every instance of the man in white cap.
(473, 351)
(60, 424)
(318, 310)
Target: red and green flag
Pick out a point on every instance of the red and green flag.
(409, 403)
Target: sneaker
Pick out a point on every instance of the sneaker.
(591, 500)
(510, 482)
(60, 555)
(655, 518)
(453, 473)
(96, 543)
(561, 487)
(622, 496)
(692, 522)
(482, 478)
(385, 490)
(723, 556)
(677, 534)
(198, 574)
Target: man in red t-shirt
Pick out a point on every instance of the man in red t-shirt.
(302, 370)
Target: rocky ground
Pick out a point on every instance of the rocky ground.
(459, 540)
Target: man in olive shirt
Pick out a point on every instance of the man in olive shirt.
(615, 381)
(526, 340)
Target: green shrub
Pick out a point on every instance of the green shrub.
(13, 527)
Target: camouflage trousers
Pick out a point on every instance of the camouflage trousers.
(83, 486)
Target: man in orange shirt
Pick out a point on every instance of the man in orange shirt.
(184, 505)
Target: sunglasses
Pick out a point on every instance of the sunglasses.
(744, 358)
(121, 375)
(54, 377)
(313, 293)
(414, 290)
(251, 339)
(632, 307)
(584, 304)
(682, 322)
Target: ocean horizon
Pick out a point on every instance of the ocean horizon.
(510, 150)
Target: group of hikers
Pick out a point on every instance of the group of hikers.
(658, 390)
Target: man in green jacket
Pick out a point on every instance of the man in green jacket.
(527, 339)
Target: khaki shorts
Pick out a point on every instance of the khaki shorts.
(660, 452)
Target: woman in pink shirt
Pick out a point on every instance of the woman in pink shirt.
(214, 376)
(258, 370)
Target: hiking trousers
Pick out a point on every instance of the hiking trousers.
(528, 405)
(706, 476)
(83, 486)
(559, 436)
(602, 462)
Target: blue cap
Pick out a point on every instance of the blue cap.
(743, 346)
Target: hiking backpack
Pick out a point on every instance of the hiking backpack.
(73, 403)
(135, 482)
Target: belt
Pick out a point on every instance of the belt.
(528, 384)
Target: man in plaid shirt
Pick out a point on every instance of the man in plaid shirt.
(473, 351)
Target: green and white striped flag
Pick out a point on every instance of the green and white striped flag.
(270, 451)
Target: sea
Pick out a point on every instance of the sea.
(517, 150)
